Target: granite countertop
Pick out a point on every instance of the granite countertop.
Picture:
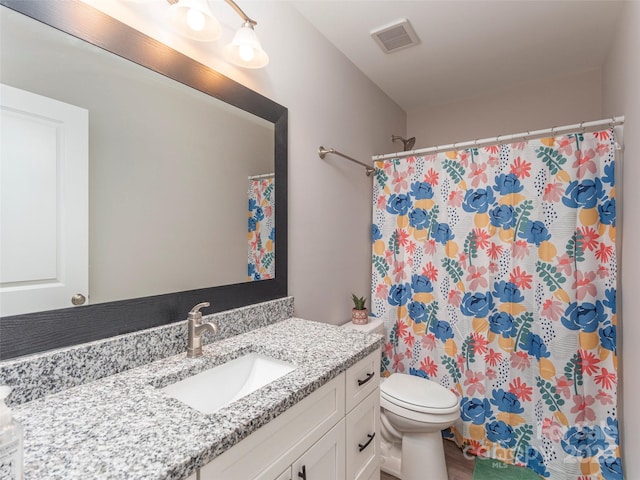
(124, 427)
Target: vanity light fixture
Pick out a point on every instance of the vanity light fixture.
(193, 19)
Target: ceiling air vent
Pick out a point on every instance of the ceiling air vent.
(395, 36)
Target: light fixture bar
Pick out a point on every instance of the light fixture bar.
(240, 12)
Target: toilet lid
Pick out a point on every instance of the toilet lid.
(418, 394)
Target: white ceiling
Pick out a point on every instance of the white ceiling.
(467, 47)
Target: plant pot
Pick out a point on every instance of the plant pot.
(360, 317)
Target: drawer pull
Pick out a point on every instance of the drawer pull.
(369, 377)
(303, 473)
(362, 447)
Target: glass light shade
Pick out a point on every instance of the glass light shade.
(193, 19)
(245, 49)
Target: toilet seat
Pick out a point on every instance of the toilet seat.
(418, 394)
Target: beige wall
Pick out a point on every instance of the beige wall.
(524, 107)
(621, 96)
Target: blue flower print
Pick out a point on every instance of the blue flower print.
(418, 373)
(399, 294)
(421, 190)
(252, 204)
(398, 204)
(506, 184)
(584, 441)
(608, 337)
(272, 235)
(417, 311)
(252, 224)
(475, 410)
(507, 292)
(584, 194)
(500, 432)
(535, 346)
(607, 212)
(503, 323)
(611, 468)
(535, 232)
(476, 304)
(442, 233)
(421, 284)
(506, 401)
(251, 269)
(612, 429)
(442, 330)
(609, 174)
(478, 200)
(585, 316)
(256, 276)
(259, 214)
(375, 233)
(419, 218)
(502, 216)
(534, 460)
(610, 294)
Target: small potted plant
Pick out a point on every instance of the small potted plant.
(359, 313)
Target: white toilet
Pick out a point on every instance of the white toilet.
(413, 413)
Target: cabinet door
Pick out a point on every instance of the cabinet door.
(286, 475)
(363, 438)
(325, 459)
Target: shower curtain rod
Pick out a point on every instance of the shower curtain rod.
(322, 152)
(500, 139)
(264, 175)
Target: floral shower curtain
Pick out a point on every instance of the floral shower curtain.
(494, 270)
(261, 229)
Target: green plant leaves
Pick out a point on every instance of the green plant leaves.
(551, 158)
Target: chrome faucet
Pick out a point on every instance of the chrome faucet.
(195, 329)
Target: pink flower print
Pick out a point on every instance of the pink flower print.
(565, 264)
(604, 253)
(491, 374)
(493, 358)
(552, 309)
(410, 170)
(382, 291)
(455, 198)
(606, 378)
(430, 158)
(583, 284)
(553, 192)
(481, 238)
(428, 366)
(565, 146)
(494, 251)
(582, 408)
(588, 238)
(604, 398)
(473, 382)
(584, 162)
(493, 161)
(460, 361)
(462, 260)
(520, 360)
(521, 278)
(493, 149)
(521, 389)
(398, 366)
(519, 145)
(455, 298)
(382, 202)
(494, 267)
(464, 158)
(562, 386)
(520, 168)
(402, 329)
(479, 343)
(411, 160)
(520, 249)
(428, 341)
(602, 149)
(478, 174)
(430, 271)
(399, 181)
(477, 277)
(429, 247)
(403, 237)
(432, 177)
(409, 340)
(603, 272)
(552, 430)
(601, 135)
(399, 271)
(411, 248)
(589, 362)
(408, 354)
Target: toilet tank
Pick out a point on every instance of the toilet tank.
(375, 325)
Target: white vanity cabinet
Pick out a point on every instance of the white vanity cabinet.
(333, 434)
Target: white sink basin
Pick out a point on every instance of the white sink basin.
(213, 389)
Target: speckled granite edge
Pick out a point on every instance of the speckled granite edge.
(37, 375)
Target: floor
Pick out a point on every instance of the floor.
(458, 467)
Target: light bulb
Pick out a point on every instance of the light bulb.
(195, 19)
(246, 52)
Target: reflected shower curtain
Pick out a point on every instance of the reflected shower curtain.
(261, 229)
(494, 270)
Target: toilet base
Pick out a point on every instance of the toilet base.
(418, 453)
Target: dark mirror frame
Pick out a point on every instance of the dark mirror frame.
(41, 331)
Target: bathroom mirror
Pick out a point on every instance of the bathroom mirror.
(216, 134)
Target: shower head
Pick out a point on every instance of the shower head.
(406, 143)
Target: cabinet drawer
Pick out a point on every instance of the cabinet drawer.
(363, 438)
(362, 378)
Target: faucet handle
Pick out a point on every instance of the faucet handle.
(195, 311)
